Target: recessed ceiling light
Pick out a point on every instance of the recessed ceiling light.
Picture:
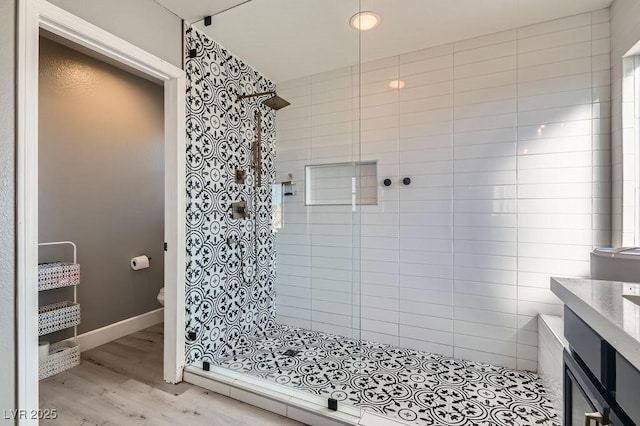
(365, 21)
(396, 84)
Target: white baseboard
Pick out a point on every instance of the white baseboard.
(120, 329)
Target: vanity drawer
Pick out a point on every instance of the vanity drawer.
(585, 342)
(628, 387)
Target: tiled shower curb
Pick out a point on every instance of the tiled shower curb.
(291, 403)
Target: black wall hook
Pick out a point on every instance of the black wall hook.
(387, 182)
(406, 181)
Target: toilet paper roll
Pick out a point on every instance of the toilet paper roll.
(139, 262)
(43, 350)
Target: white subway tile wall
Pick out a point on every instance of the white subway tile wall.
(506, 141)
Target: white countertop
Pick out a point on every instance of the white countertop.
(601, 305)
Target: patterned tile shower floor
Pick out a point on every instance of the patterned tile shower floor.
(417, 387)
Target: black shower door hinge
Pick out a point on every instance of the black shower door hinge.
(165, 246)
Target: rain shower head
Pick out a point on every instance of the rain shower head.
(274, 101)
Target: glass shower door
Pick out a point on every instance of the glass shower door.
(275, 195)
(319, 145)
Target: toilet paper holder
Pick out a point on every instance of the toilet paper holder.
(134, 265)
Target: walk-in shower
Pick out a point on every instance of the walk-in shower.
(405, 279)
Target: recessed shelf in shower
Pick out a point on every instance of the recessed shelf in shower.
(349, 183)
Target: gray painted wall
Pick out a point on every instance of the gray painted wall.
(141, 22)
(7, 201)
(101, 180)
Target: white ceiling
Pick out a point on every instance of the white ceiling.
(286, 39)
(194, 10)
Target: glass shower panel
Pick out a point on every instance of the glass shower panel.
(379, 229)
(406, 106)
(426, 198)
(368, 236)
(276, 195)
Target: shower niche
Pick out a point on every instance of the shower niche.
(352, 183)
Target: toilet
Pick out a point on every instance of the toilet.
(161, 296)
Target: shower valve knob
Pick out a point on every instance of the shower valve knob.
(239, 210)
(241, 176)
(387, 182)
(406, 181)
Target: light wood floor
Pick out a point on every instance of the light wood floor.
(120, 383)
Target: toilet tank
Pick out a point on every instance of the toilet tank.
(616, 264)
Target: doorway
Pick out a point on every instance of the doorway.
(35, 16)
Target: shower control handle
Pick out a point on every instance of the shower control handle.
(239, 210)
(406, 181)
(387, 182)
(241, 176)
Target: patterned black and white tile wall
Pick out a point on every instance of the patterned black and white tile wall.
(230, 286)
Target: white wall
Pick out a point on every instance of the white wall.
(144, 23)
(506, 138)
(625, 33)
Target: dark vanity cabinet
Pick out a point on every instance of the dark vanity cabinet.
(600, 386)
(628, 388)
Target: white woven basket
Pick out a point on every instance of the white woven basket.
(58, 274)
(62, 356)
(58, 317)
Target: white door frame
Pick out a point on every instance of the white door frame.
(34, 15)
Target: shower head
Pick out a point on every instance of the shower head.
(274, 101)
